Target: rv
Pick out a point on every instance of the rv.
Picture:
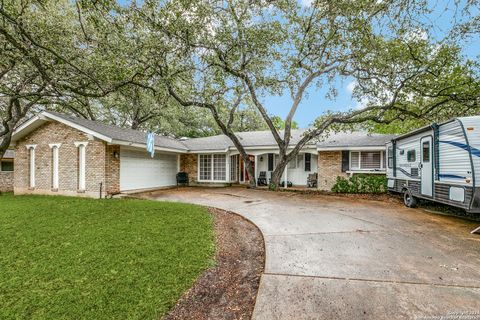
(440, 163)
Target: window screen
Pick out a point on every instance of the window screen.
(205, 167)
(355, 160)
(219, 167)
(370, 160)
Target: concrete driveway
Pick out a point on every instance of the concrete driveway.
(338, 258)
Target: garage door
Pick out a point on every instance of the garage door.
(139, 171)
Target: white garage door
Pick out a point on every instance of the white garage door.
(139, 171)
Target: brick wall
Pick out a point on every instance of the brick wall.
(112, 169)
(98, 161)
(329, 168)
(6, 181)
(188, 164)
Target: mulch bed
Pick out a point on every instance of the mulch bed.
(229, 289)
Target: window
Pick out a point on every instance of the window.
(7, 166)
(219, 167)
(296, 162)
(411, 155)
(355, 160)
(426, 151)
(308, 162)
(370, 160)
(366, 160)
(205, 167)
(213, 167)
(81, 165)
(390, 157)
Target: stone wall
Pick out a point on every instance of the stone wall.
(6, 181)
(329, 168)
(98, 161)
(188, 164)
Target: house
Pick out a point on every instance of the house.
(60, 154)
(6, 171)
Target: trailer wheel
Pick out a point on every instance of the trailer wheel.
(408, 199)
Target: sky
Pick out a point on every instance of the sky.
(315, 102)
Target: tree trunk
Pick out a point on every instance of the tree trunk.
(277, 174)
(5, 143)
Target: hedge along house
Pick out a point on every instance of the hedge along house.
(61, 154)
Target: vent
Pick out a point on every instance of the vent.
(414, 172)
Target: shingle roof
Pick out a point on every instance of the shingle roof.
(353, 139)
(122, 134)
(248, 139)
(222, 142)
(265, 138)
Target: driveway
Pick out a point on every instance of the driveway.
(331, 257)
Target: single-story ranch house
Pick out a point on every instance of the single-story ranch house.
(60, 154)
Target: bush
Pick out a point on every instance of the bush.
(361, 183)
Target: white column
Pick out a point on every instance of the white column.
(31, 153)
(81, 164)
(227, 167)
(55, 149)
(256, 169)
(286, 176)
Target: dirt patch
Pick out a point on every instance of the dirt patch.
(229, 289)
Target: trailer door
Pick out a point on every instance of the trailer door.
(426, 166)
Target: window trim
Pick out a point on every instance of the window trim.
(212, 167)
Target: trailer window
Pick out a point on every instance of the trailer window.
(390, 157)
(426, 151)
(411, 155)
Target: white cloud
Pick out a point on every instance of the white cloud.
(351, 86)
(306, 3)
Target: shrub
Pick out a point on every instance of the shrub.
(361, 183)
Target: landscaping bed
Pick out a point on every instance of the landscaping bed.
(229, 289)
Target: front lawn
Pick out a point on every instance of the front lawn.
(76, 258)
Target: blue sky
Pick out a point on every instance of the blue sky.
(315, 103)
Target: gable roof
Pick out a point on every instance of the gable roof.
(100, 130)
(116, 135)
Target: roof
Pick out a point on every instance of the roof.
(354, 139)
(109, 133)
(248, 139)
(9, 154)
(116, 135)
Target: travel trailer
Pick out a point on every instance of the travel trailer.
(440, 163)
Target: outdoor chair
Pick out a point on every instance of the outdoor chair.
(312, 180)
(262, 178)
(182, 178)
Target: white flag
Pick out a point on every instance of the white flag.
(151, 144)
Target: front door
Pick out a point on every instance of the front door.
(426, 166)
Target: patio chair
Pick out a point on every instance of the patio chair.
(312, 180)
(262, 178)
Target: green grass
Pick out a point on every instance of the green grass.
(70, 258)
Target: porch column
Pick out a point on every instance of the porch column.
(286, 176)
(227, 167)
(256, 168)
